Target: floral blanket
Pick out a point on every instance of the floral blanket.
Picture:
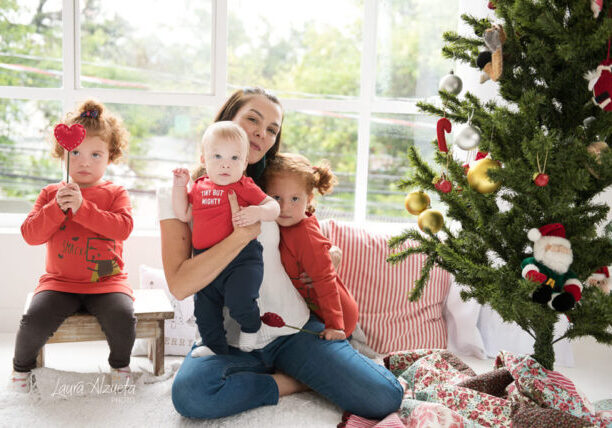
(442, 391)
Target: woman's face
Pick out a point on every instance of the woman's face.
(261, 120)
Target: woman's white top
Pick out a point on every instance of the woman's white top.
(276, 294)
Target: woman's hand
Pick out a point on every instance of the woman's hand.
(249, 232)
(69, 197)
(331, 334)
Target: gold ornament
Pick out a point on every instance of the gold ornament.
(416, 202)
(479, 180)
(432, 220)
(595, 150)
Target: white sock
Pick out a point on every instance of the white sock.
(121, 376)
(247, 341)
(202, 351)
(20, 381)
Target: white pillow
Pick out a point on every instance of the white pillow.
(498, 335)
(464, 338)
(180, 332)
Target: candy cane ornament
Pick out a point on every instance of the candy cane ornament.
(443, 125)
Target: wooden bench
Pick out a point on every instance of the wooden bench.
(151, 309)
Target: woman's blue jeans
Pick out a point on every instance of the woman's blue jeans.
(222, 385)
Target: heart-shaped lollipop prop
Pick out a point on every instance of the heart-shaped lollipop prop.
(69, 138)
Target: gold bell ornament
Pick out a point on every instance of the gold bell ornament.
(432, 220)
(417, 202)
(479, 180)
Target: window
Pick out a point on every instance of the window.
(348, 72)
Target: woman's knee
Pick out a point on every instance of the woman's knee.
(192, 397)
(385, 398)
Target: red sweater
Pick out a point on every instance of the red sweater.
(84, 251)
(303, 248)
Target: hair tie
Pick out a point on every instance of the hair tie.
(90, 113)
(315, 168)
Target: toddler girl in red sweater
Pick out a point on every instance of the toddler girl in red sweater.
(290, 179)
(83, 224)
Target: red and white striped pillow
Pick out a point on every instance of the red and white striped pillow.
(389, 320)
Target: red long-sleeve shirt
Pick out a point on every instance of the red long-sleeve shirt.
(303, 248)
(84, 251)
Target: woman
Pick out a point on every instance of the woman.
(214, 386)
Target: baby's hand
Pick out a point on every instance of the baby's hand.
(181, 177)
(331, 334)
(247, 216)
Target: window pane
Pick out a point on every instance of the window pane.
(31, 43)
(161, 138)
(25, 152)
(151, 45)
(391, 135)
(293, 48)
(409, 46)
(333, 136)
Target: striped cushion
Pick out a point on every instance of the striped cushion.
(390, 321)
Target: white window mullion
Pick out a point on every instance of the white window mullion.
(219, 37)
(70, 53)
(367, 94)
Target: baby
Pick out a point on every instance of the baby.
(224, 155)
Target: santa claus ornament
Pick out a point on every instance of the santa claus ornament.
(596, 6)
(559, 287)
(601, 279)
(600, 82)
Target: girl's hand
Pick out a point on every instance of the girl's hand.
(69, 197)
(250, 232)
(181, 177)
(247, 216)
(331, 334)
(336, 257)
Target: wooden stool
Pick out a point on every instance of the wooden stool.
(151, 309)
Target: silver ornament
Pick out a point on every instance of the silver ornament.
(587, 122)
(451, 83)
(468, 137)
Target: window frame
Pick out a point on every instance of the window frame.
(364, 106)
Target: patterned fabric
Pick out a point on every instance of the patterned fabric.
(537, 417)
(390, 321)
(437, 394)
(548, 389)
(416, 414)
(492, 383)
(483, 409)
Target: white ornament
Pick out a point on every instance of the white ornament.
(468, 137)
(451, 83)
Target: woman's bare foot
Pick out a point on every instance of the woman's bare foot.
(288, 385)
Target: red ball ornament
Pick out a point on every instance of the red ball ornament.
(491, 5)
(600, 82)
(540, 179)
(443, 185)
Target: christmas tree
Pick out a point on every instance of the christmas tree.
(544, 158)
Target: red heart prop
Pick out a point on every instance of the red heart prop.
(69, 138)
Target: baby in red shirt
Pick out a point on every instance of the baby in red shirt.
(224, 155)
(290, 179)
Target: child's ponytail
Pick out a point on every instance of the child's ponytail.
(315, 177)
(98, 121)
(325, 180)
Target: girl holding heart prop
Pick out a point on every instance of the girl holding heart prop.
(83, 224)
